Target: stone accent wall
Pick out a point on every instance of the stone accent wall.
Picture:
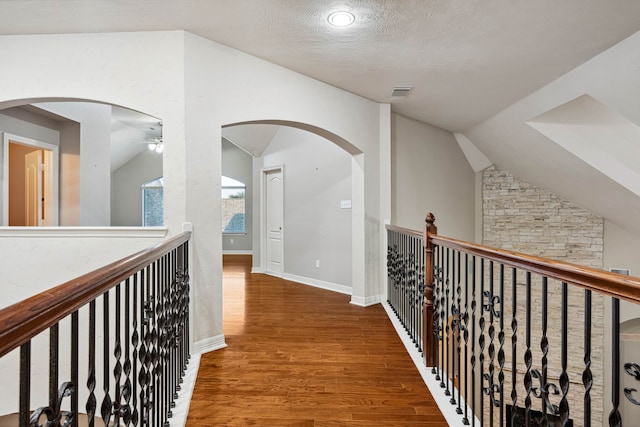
(524, 218)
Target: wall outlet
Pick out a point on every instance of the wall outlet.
(317, 263)
(231, 240)
(345, 204)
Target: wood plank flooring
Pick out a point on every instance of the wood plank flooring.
(301, 356)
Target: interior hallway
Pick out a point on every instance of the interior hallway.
(302, 356)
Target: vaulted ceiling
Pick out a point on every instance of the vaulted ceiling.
(498, 73)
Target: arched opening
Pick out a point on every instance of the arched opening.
(322, 201)
(100, 160)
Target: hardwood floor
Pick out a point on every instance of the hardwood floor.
(301, 356)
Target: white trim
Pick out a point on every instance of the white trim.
(181, 411)
(209, 344)
(366, 302)
(258, 270)
(448, 410)
(237, 252)
(318, 283)
(54, 173)
(151, 232)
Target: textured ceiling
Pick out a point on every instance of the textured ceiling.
(466, 59)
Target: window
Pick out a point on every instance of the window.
(152, 200)
(233, 192)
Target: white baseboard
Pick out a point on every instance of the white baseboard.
(238, 252)
(257, 270)
(181, 411)
(209, 344)
(366, 302)
(318, 283)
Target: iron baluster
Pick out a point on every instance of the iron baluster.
(447, 328)
(528, 358)
(514, 340)
(106, 409)
(117, 369)
(134, 356)
(92, 403)
(465, 334)
(54, 340)
(587, 376)
(74, 366)
(615, 420)
(54, 414)
(501, 338)
(564, 377)
(473, 337)
(126, 387)
(481, 340)
(25, 383)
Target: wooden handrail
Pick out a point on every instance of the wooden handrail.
(409, 232)
(604, 282)
(25, 319)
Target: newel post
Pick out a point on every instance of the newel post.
(429, 345)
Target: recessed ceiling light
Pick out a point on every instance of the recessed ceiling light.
(341, 18)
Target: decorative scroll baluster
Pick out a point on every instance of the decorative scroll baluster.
(546, 388)
(445, 318)
(106, 409)
(135, 414)
(491, 388)
(564, 376)
(144, 354)
(451, 327)
(126, 387)
(465, 329)
(501, 338)
(91, 378)
(459, 327)
(615, 420)
(436, 319)
(544, 346)
(481, 340)
(117, 369)
(587, 376)
(515, 419)
(155, 353)
(528, 357)
(473, 337)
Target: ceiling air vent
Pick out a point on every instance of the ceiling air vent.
(400, 91)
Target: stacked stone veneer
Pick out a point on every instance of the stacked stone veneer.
(524, 218)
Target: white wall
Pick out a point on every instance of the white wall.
(95, 149)
(238, 165)
(126, 188)
(317, 176)
(198, 86)
(431, 174)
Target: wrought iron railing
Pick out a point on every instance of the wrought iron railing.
(118, 343)
(405, 284)
(517, 340)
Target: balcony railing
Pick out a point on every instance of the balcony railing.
(110, 347)
(517, 340)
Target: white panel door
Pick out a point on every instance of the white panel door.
(33, 188)
(274, 209)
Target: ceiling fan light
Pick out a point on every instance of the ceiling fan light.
(341, 18)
